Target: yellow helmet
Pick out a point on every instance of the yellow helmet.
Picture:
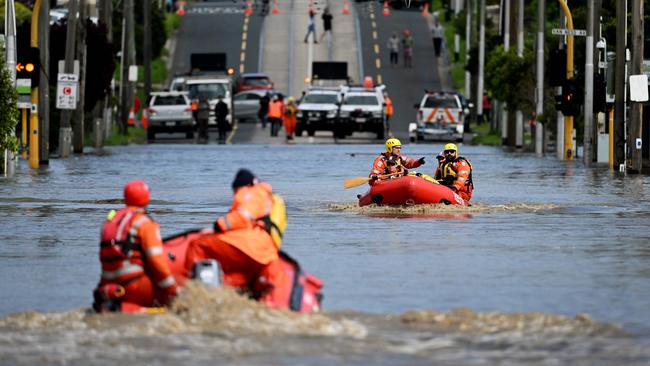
(291, 100)
(390, 143)
(451, 147)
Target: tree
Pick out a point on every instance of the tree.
(8, 110)
(511, 78)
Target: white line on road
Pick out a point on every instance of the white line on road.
(376, 49)
(378, 63)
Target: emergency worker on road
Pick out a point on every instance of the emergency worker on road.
(289, 118)
(276, 111)
(242, 241)
(455, 172)
(392, 162)
(135, 271)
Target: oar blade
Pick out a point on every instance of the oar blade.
(353, 182)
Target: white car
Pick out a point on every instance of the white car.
(211, 87)
(319, 111)
(170, 112)
(362, 109)
(440, 116)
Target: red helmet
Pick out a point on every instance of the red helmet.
(136, 193)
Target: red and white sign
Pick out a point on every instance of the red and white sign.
(66, 91)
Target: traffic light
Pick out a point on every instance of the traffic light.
(570, 101)
(600, 90)
(556, 67)
(29, 67)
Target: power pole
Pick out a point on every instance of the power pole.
(619, 104)
(588, 135)
(634, 144)
(146, 52)
(468, 46)
(78, 135)
(44, 92)
(539, 108)
(10, 59)
(481, 61)
(127, 35)
(65, 130)
(519, 119)
(33, 116)
(506, 46)
(568, 120)
(559, 121)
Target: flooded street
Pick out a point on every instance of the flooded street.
(550, 265)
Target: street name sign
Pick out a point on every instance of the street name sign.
(567, 32)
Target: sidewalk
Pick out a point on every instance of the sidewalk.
(286, 55)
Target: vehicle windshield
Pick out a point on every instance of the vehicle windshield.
(361, 100)
(160, 100)
(440, 101)
(320, 99)
(261, 81)
(208, 90)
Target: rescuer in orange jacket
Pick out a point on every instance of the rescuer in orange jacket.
(392, 162)
(241, 242)
(276, 112)
(455, 172)
(389, 107)
(135, 270)
(289, 118)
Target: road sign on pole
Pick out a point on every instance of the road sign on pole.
(66, 91)
(569, 32)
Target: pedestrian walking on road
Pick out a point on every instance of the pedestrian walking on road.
(276, 112)
(311, 27)
(407, 46)
(220, 113)
(203, 116)
(327, 25)
(263, 112)
(437, 34)
(393, 47)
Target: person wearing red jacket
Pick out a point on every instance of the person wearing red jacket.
(241, 241)
(392, 163)
(455, 172)
(135, 271)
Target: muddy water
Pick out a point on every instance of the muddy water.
(549, 266)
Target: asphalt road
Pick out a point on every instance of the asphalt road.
(219, 26)
(405, 86)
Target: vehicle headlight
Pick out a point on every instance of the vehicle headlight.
(331, 114)
(299, 114)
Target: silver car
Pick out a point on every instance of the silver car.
(170, 112)
(247, 104)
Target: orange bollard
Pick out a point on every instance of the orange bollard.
(275, 10)
(145, 118)
(386, 11)
(131, 120)
(346, 8)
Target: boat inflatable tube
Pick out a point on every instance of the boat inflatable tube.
(409, 190)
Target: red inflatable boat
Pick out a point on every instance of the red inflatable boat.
(409, 190)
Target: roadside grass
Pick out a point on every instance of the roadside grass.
(457, 67)
(485, 135)
(134, 135)
(172, 22)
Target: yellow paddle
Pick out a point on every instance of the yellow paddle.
(353, 182)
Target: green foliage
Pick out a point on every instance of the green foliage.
(134, 135)
(511, 78)
(172, 22)
(158, 31)
(8, 110)
(23, 14)
(485, 135)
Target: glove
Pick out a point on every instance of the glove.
(405, 172)
(217, 228)
(374, 177)
(421, 160)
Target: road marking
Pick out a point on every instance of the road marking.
(215, 10)
(243, 36)
(374, 35)
(372, 15)
(376, 49)
(241, 68)
(242, 57)
(374, 24)
(243, 46)
(379, 79)
(378, 63)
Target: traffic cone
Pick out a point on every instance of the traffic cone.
(346, 8)
(145, 118)
(131, 120)
(275, 10)
(425, 10)
(386, 11)
(248, 10)
(181, 8)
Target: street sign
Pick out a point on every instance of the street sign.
(24, 102)
(24, 86)
(66, 91)
(566, 32)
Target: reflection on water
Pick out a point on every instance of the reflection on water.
(550, 265)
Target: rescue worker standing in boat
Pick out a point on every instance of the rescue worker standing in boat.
(392, 163)
(242, 242)
(455, 172)
(135, 271)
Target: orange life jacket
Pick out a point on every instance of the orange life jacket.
(275, 109)
(120, 249)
